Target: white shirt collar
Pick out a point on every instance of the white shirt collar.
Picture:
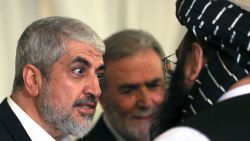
(35, 132)
(112, 130)
(238, 91)
(182, 133)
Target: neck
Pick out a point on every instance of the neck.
(212, 83)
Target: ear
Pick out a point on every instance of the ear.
(196, 61)
(32, 79)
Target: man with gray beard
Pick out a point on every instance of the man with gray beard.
(133, 87)
(58, 66)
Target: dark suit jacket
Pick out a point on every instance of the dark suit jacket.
(226, 121)
(99, 133)
(10, 127)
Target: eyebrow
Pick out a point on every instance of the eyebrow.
(128, 86)
(79, 59)
(156, 80)
(102, 67)
(86, 63)
(136, 86)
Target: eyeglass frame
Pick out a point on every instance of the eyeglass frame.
(167, 63)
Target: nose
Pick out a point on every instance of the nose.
(93, 86)
(144, 100)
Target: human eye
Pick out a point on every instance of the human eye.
(125, 90)
(128, 90)
(154, 85)
(99, 75)
(79, 71)
(100, 72)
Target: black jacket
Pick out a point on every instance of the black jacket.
(226, 121)
(10, 127)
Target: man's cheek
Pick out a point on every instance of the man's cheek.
(158, 99)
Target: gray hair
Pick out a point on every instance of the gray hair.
(44, 42)
(129, 42)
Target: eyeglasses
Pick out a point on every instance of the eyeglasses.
(169, 64)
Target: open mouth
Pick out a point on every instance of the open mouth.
(87, 107)
(146, 118)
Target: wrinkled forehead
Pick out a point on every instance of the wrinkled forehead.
(84, 50)
(85, 46)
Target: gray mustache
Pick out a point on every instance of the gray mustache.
(144, 112)
(89, 99)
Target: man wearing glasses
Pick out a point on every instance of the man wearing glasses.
(133, 87)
